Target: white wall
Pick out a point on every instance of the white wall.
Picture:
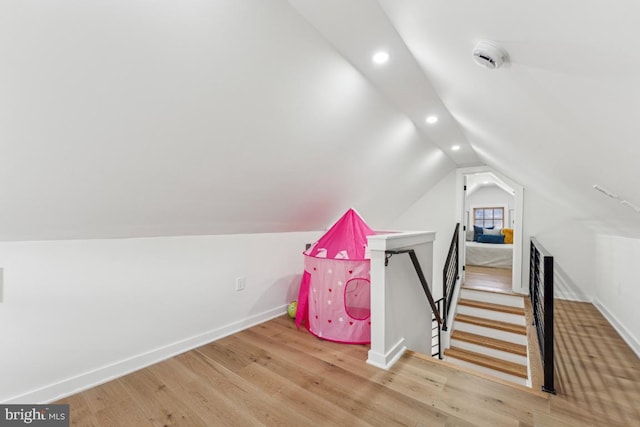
(560, 229)
(564, 232)
(617, 293)
(434, 211)
(192, 117)
(79, 312)
(400, 310)
(409, 310)
(490, 196)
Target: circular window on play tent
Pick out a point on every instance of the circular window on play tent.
(357, 299)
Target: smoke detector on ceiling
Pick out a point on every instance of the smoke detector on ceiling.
(488, 55)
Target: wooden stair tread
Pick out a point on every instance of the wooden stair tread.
(496, 364)
(489, 342)
(490, 290)
(494, 324)
(492, 306)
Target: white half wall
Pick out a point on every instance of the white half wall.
(78, 313)
(400, 310)
(435, 210)
(617, 294)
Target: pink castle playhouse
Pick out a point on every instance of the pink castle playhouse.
(334, 298)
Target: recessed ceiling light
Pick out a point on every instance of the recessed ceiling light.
(455, 147)
(380, 57)
(485, 182)
(432, 119)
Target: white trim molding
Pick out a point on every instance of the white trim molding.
(73, 385)
(387, 360)
(519, 284)
(619, 327)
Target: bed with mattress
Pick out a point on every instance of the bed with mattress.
(489, 254)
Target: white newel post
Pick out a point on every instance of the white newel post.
(400, 313)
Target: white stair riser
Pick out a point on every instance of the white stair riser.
(487, 371)
(492, 314)
(494, 297)
(487, 351)
(490, 332)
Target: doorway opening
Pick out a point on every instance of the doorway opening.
(490, 210)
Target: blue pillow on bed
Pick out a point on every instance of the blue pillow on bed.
(487, 238)
(477, 231)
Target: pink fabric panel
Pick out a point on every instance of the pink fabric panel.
(328, 317)
(302, 312)
(357, 298)
(346, 239)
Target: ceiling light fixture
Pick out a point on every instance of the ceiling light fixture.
(455, 147)
(380, 57)
(431, 119)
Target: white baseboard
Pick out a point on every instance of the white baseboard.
(570, 296)
(387, 360)
(84, 381)
(619, 327)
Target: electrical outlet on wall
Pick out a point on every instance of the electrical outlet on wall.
(241, 283)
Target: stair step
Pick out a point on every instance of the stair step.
(494, 343)
(492, 297)
(499, 365)
(468, 310)
(491, 306)
(493, 324)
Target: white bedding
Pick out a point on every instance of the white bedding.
(489, 254)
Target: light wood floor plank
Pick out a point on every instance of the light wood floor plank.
(161, 404)
(273, 375)
(488, 278)
(82, 414)
(114, 406)
(244, 395)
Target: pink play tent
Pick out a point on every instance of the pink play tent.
(334, 298)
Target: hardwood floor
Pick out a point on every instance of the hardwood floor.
(273, 374)
(595, 368)
(488, 278)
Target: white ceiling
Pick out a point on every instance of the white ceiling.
(401, 80)
(480, 180)
(134, 118)
(560, 116)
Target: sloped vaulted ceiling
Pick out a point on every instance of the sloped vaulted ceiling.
(558, 117)
(139, 118)
(562, 114)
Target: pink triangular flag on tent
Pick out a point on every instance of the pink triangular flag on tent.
(346, 239)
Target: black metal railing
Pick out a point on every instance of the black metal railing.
(423, 280)
(436, 349)
(541, 294)
(439, 308)
(450, 275)
(425, 286)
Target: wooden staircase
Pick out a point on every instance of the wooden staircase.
(489, 335)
